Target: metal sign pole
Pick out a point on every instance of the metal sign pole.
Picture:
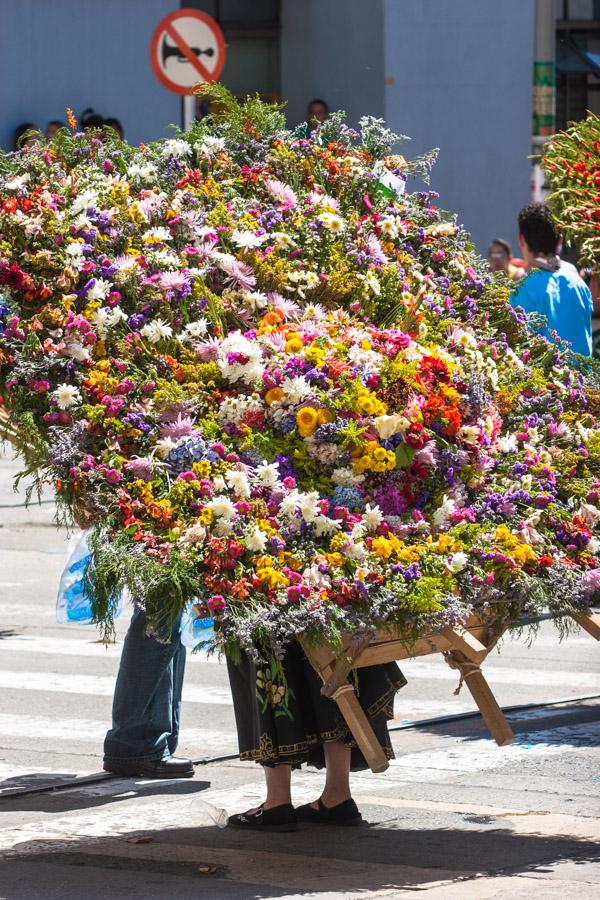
(189, 111)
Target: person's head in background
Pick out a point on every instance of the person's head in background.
(111, 122)
(499, 255)
(91, 119)
(537, 235)
(21, 130)
(52, 127)
(316, 112)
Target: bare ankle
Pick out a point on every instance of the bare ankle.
(334, 797)
(272, 802)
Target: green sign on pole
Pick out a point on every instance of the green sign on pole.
(544, 98)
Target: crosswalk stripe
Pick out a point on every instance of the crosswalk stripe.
(92, 731)
(86, 645)
(99, 685)
(501, 674)
(481, 754)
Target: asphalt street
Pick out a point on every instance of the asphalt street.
(455, 816)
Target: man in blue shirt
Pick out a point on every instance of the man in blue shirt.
(553, 288)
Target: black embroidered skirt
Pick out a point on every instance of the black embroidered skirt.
(283, 719)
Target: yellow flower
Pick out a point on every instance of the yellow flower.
(201, 468)
(380, 454)
(273, 395)
(337, 542)
(206, 516)
(294, 344)
(324, 416)
(382, 548)
(523, 554)
(505, 536)
(272, 578)
(335, 559)
(307, 420)
(314, 355)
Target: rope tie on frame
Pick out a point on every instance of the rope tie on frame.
(466, 669)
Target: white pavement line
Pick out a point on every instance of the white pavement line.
(93, 731)
(464, 757)
(500, 674)
(85, 644)
(99, 685)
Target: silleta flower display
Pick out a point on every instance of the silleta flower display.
(285, 387)
(571, 162)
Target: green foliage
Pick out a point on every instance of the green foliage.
(250, 118)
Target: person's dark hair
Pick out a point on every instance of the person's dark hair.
(537, 228)
(320, 102)
(56, 123)
(111, 122)
(91, 119)
(500, 242)
(20, 132)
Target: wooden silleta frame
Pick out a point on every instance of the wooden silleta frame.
(464, 649)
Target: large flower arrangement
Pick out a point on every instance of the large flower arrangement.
(572, 164)
(286, 387)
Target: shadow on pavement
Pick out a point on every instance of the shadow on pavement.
(526, 723)
(89, 796)
(232, 864)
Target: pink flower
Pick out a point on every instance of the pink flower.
(216, 603)
(182, 426)
(590, 581)
(282, 193)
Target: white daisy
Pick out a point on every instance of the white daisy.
(156, 331)
(66, 396)
(222, 507)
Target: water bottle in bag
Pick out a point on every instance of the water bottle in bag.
(197, 631)
(72, 602)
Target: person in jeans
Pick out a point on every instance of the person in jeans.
(147, 701)
(147, 706)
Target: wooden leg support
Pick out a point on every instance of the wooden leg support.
(360, 727)
(590, 622)
(482, 694)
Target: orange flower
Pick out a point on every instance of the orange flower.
(71, 119)
(273, 317)
(273, 395)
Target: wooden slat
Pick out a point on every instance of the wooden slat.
(461, 639)
(589, 621)
(341, 668)
(360, 727)
(487, 704)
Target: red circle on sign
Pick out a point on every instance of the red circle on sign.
(169, 25)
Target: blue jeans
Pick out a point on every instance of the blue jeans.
(147, 702)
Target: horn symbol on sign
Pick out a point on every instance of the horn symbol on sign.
(169, 51)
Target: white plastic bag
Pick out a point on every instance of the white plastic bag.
(72, 603)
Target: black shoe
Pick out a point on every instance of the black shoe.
(167, 767)
(346, 813)
(278, 818)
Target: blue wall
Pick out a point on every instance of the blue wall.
(461, 73)
(79, 53)
(332, 49)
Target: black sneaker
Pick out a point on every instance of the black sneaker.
(278, 818)
(346, 813)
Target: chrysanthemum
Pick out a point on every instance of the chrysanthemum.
(282, 193)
